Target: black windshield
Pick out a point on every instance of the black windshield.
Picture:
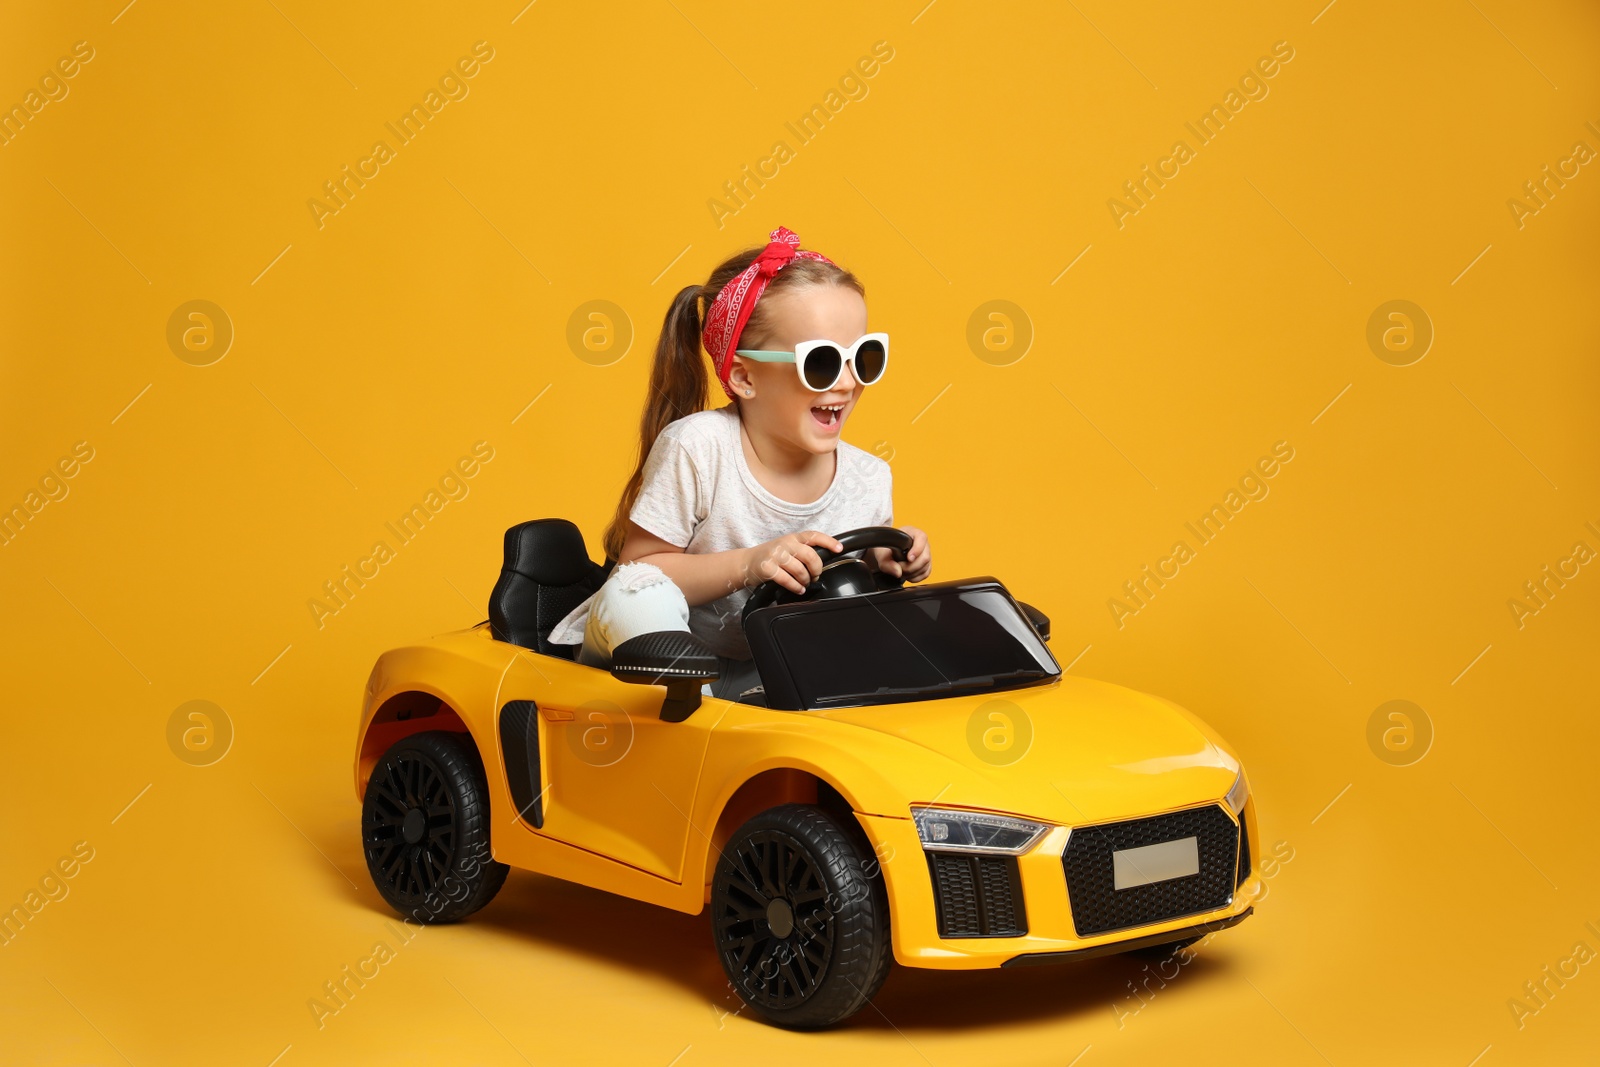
(909, 645)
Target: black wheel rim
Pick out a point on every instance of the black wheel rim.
(769, 882)
(404, 788)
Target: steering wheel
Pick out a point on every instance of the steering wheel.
(844, 573)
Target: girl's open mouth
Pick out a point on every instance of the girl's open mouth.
(828, 416)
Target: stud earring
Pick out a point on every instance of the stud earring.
(749, 392)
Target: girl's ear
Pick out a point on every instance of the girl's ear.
(739, 378)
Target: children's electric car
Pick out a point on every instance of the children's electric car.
(914, 778)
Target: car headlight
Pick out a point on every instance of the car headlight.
(1238, 794)
(947, 830)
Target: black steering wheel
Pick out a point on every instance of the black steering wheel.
(844, 573)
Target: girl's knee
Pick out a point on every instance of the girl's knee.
(630, 580)
(638, 598)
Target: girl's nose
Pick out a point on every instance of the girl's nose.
(847, 380)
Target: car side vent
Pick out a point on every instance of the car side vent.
(977, 896)
(519, 742)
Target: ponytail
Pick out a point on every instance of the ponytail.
(678, 384)
(679, 376)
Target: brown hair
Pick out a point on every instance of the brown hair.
(679, 375)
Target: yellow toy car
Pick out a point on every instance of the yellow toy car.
(914, 778)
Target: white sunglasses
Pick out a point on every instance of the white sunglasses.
(820, 364)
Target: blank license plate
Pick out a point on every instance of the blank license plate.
(1156, 863)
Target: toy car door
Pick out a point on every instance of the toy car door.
(617, 780)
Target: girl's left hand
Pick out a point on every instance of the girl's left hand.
(919, 561)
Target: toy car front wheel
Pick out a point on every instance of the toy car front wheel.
(800, 917)
(425, 829)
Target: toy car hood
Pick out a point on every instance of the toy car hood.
(1072, 751)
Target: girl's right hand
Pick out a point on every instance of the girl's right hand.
(790, 560)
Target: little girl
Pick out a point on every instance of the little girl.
(723, 500)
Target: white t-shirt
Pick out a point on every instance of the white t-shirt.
(698, 493)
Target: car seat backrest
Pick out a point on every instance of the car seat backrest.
(547, 572)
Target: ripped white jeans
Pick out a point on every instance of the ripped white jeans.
(639, 598)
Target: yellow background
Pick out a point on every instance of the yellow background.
(371, 353)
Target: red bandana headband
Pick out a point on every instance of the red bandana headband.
(731, 309)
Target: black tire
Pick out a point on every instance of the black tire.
(800, 917)
(425, 829)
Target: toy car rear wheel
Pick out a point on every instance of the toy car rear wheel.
(800, 917)
(425, 829)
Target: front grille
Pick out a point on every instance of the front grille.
(1098, 906)
(977, 896)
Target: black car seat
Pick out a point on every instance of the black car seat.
(547, 572)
